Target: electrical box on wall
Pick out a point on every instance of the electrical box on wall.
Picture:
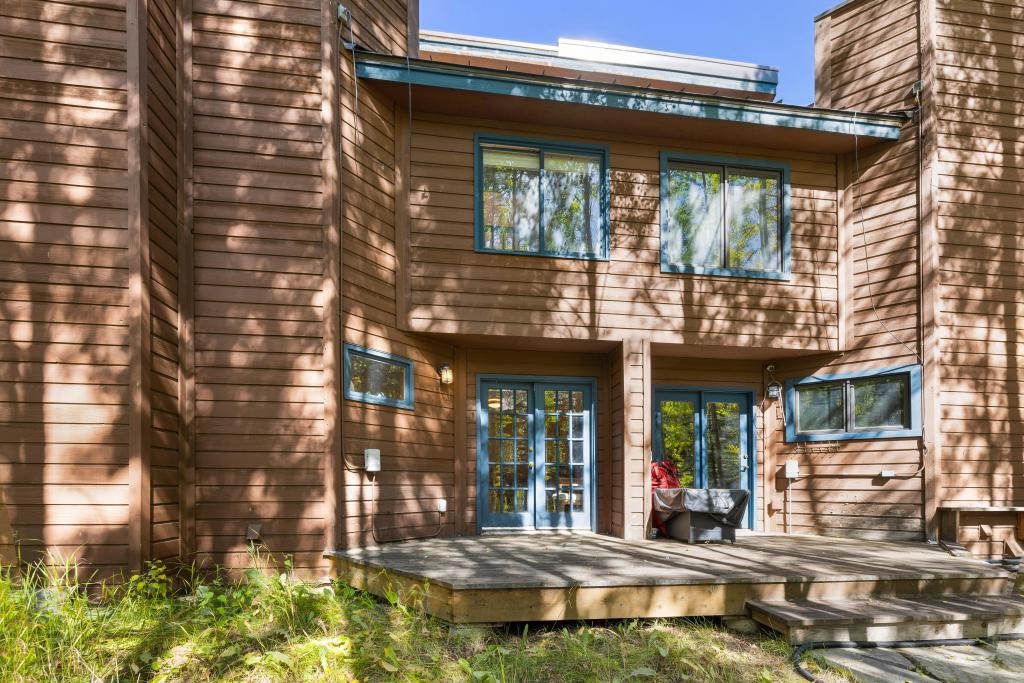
(792, 470)
(371, 459)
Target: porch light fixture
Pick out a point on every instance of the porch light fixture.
(445, 374)
(774, 390)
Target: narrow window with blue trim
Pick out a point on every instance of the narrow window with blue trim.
(859, 405)
(724, 216)
(379, 377)
(541, 198)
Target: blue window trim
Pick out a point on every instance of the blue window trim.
(772, 165)
(481, 436)
(408, 403)
(481, 139)
(915, 429)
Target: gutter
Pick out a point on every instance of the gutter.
(651, 100)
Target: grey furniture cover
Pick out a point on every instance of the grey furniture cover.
(725, 506)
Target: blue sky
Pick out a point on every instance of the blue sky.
(777, 33)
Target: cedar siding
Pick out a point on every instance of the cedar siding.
(978, 166)
(456, 290)
(256, 234)
(868, 60)
(417, 446)
(201, 205)
(64, 223)
(162, 161)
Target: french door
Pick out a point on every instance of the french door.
(708, 436)
(535, 455)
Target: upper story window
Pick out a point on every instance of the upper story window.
(378, 377)
(871, 404)
(541, 198)
(724, 217)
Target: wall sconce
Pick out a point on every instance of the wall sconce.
(774, 391)
(445, 374)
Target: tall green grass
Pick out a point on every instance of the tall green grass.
(270, 627)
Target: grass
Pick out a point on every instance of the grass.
(270, 627)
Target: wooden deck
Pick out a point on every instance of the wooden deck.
(556, 577)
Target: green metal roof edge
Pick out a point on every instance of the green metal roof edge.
(457, 77)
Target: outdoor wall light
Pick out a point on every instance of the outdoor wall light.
(445, 373)
(774, 391)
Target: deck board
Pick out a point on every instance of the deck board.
(585, 576)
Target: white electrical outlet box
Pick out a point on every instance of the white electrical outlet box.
(792, 470)
(371, 459)
(442, 505)
(887, 474)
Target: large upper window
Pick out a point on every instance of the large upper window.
(721, 217)
(378, 377)
(856, 406)
(541, 198)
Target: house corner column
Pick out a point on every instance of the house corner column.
(139, 291)
(929, 269)
(636, 448)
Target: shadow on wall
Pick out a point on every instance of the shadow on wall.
(981, 272)
(63, 293)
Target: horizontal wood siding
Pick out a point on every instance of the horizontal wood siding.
(162, 115)
(871, 62)
(839, 491)
(458, 290)
(379, 25)
(258, 267)
(64, 280)
(417, 446)
(979, 89)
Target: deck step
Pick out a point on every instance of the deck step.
(892, 618)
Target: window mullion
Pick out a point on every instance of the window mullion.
(848, 407)
(540, 204)
(725, 216)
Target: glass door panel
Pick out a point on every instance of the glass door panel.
(507, 422)
(725, 443)
(678, 429)
(564, 486)
(707, 435)
(536, 455)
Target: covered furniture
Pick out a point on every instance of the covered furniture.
(701, 514)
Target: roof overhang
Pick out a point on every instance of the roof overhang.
(583, 104)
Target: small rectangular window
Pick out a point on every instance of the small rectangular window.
(723, 218)
(378, 377)
(862, 405)
(541, 199)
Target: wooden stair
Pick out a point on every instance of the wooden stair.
(891, 618)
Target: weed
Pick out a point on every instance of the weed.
(183, 625)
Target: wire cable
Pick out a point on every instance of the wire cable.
(373, 518)
(859, 209)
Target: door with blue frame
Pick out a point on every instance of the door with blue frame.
(708, 436)
(535, 459)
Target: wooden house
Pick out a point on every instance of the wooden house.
(252, 247)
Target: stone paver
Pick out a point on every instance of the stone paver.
(873, 665)
(999, 663)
